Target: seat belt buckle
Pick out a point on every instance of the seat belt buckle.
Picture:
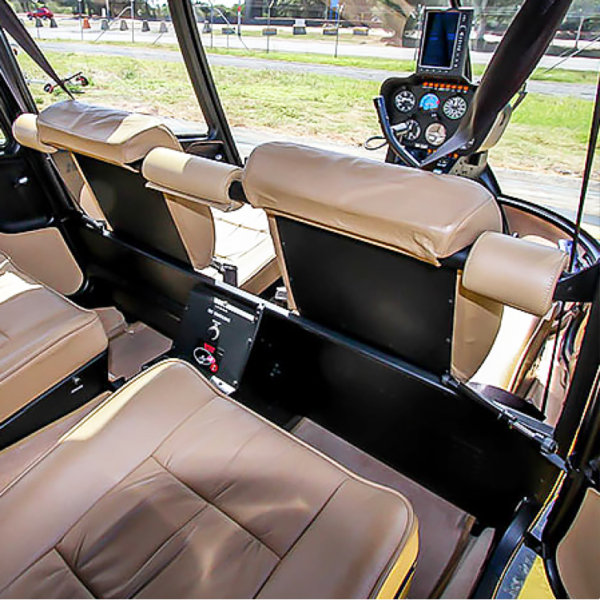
(229, 271)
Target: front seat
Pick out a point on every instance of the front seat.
(377, 252)
(171, 489)
(367, 249)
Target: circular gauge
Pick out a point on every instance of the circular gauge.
(414, 130)
(455, 108)
(405, 101)
(429, 102)
(435, 134)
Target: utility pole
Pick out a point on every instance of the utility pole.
(212, 18)
(337, 29)
(132, 21)
(269, 23)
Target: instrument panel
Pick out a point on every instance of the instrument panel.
(430, 108)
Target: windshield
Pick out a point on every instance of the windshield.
(307, 71)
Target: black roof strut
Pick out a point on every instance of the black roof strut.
(11, 23)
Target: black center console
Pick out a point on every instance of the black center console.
(217, 334)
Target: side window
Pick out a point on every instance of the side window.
(144, 78)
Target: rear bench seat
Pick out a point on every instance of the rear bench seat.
(170, 489)
(44, 338)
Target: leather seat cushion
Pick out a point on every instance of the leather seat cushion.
(169, 489)
(43, 338)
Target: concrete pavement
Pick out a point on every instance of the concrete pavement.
(70, 29)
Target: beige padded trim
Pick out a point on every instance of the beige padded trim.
(514, 272)
(25, 131)
(421, 214)
(578, 552)
(192, 177)
(291, 303)
(476, 324)
(108, 134)
(196, 228)
(44, 254)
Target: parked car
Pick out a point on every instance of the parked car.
(40, 13)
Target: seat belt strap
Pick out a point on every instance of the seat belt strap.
(13, 26)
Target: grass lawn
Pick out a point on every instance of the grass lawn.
(547, 133)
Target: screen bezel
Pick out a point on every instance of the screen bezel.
(453, 68)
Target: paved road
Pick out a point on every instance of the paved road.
(250, 62)
(69, 29)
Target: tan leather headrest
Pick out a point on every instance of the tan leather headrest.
(421, 214)
(25, 131)
(108, 134)
(514, 272)
(191, 177)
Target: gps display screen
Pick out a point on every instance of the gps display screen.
(440, 38)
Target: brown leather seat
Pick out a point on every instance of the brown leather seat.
(108, 145)
(44, 338)
(170, 489)
(362, 246)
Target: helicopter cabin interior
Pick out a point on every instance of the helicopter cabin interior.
(357, 403)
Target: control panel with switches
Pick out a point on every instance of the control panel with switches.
(217, 335)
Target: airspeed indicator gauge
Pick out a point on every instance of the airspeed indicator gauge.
(455, 108)
(435, 134)
(405, 101)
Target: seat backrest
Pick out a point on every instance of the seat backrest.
(363, 248)
(108, 146)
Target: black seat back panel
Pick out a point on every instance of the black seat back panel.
(388, 300)
(138, 214)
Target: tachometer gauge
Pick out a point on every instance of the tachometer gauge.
(429, 102)
(414, 130)
(455, 108)
(405, 101)
(435, 134)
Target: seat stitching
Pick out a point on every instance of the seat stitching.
(174, 431)
(72, 571)
(149, 558)
(80, 424)
(235, 455)
(137, 466)
(301, 535)
(143, 586)
(162, 545)
(218, 508)
(162, 569)
(12, 581)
